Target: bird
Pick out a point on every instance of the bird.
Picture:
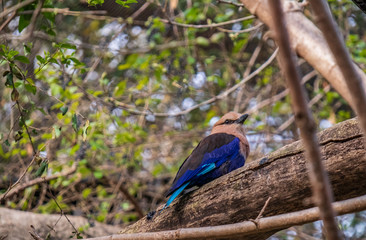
(224, 150)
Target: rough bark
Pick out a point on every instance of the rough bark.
(282, 175)
(308, 42)
(15, 224)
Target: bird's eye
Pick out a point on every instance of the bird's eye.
(227, 121)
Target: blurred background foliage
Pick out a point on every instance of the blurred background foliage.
(112, 99)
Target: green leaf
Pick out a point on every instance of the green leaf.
(24, 21)
(27, 48)
(6, 73)
(75, 124)
(31, 88)
(7, 143)
(40, 59)
(43, 167)
(56, 132)
(9, 80)
(85, 130)
(98, 174)
(68, 46)
(95, 2)
(16, 72)
(86, 192)
(18, 135)
(64, 110)
(120, 88)
(22, 59)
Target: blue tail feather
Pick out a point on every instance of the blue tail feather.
(175, 194)
(206, 168)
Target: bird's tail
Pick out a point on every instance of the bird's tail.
(205, 169)
(175, 194)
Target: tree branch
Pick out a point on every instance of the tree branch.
(16, 7)
(322, 191)
(212, 25)
(354, 83)
(35, 181)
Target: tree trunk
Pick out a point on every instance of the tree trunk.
(281, 175)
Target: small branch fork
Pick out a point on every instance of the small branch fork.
(322, 192)
(256, 220)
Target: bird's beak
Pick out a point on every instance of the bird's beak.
(242, 119)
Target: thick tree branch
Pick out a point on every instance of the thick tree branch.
(281, 175)
(322, 192)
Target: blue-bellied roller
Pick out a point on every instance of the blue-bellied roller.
(223, 151)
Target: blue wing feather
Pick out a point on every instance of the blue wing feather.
(213, 164)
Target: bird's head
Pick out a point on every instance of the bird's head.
(230, 121)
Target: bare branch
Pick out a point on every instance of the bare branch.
(38, 180)
(322, 192)
(15, 7)
(32, 24)
(212, 25)
(231, 3)
(354, 83)
(240, 31)
(279, 96)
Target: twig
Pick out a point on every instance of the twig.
(127, 195)
(240, 31)
(256, 220)
(33, 20)
(7, 21)
(231, 3)
(247, 227)
(251, 62)
(279, 96)
(213, 25)
(66, 11)
(34, 234)
(222, 95)
(15, 7)
(140, 10)
(322, 192)
(335, 42)
(315, 99)
(3, 196)
(76, 232)
(38, 181)
(22, 117)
